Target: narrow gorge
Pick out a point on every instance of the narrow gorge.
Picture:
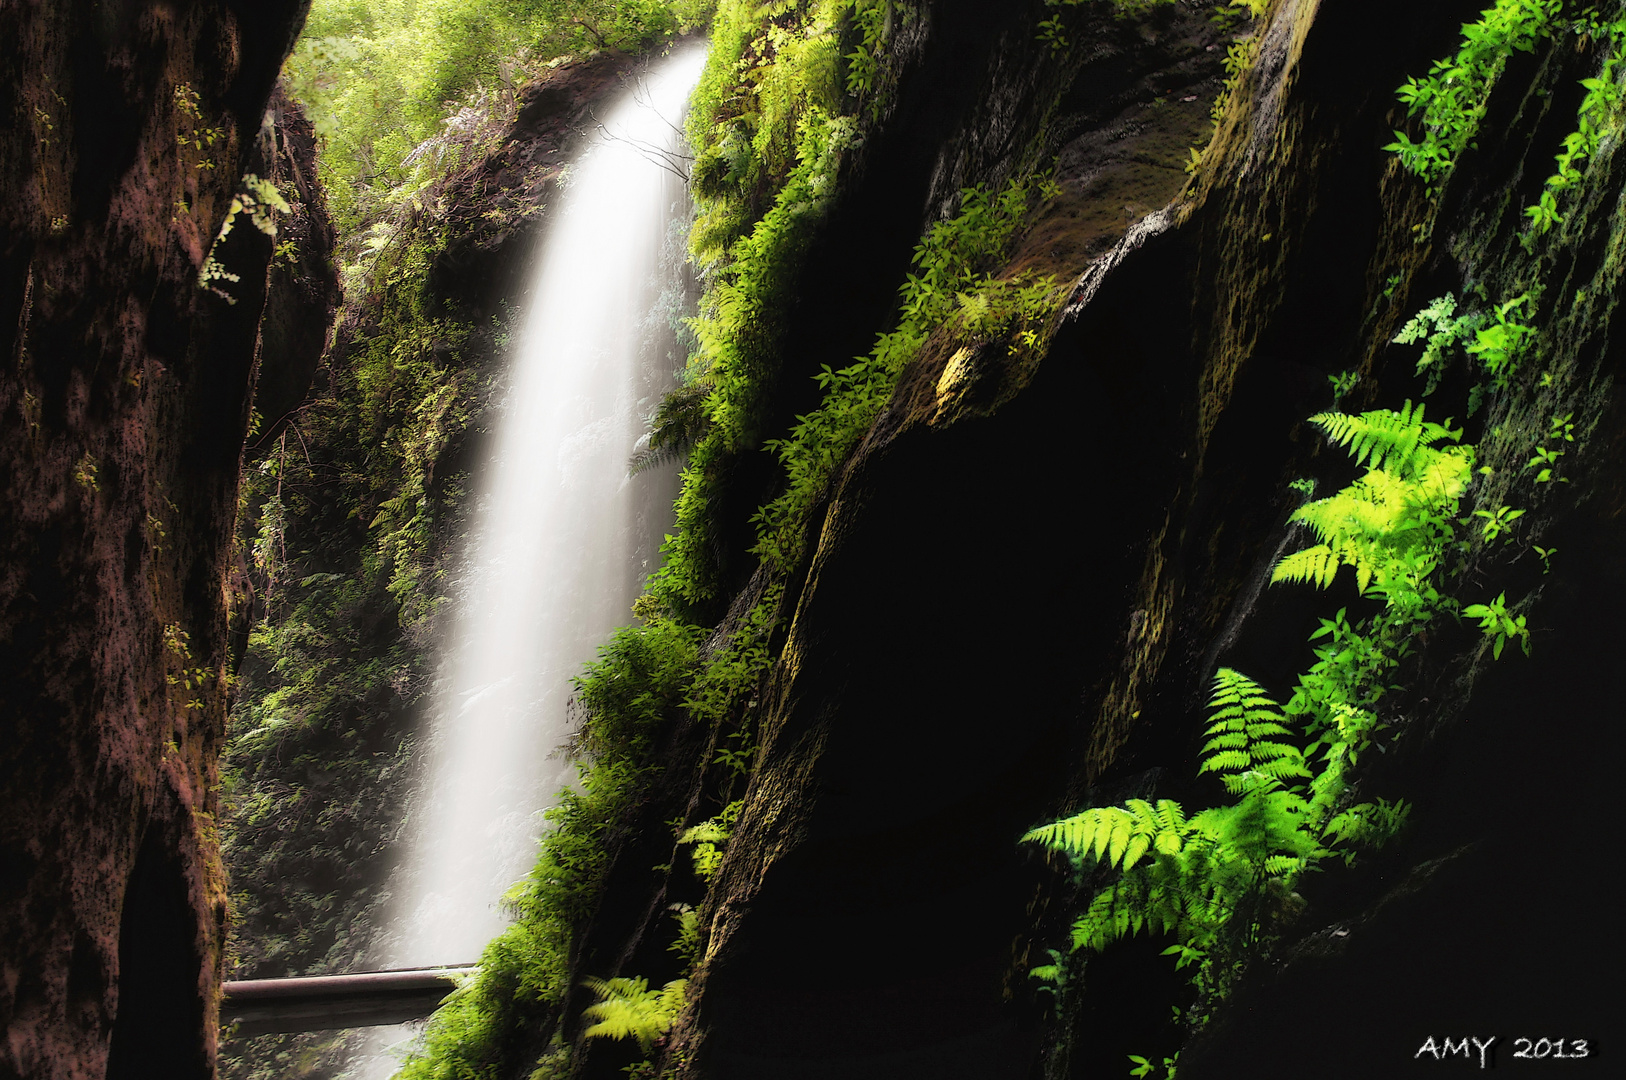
(812, 539)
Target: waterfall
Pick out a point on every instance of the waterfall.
(562, 536)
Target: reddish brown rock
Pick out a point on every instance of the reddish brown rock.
(125, 390)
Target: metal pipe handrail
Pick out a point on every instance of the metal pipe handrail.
(325, 1002)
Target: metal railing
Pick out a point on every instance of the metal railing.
(323, 1002)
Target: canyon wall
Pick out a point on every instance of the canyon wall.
(127, 391)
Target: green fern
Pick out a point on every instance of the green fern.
(1439, 327)
(1221, 881)
(627, 1008)
(1123, 834)
(1193, 876)
(1383, 439)
(1190, 894)
(1389, 525)
(1242, 741)
(680, 421)
(709, 837)
(1228, 859)
(687, 944)
(1368, 825)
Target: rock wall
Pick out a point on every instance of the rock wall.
(1026, 577)
(126, 390)
(1022, 581)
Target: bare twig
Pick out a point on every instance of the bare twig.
(673, 161)
(585, 25)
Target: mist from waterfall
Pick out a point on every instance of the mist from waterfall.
(562, 537)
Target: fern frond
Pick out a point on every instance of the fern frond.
(1259, 730)
(1368, 824)
(627, 1008)
(645, 457)
(1170, 817)
(1381, 438)
(1441, 483)
(1317, 565)
(1227, 760)
(1191, 876)
(710, 832)
(1245, 724)
(1268, 820)
(1385, 439)
(1386, 524)
(1277, 865)
(1123, 835)
(1087, 835)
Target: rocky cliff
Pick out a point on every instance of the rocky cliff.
(1147, 296)
(130, 366)
(1020, 583)
(1027, 575)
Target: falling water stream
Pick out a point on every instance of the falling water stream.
(562, 536)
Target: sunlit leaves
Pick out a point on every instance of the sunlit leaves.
(1451, 98)
(1389, 524)
(627, 1008)
(1499, 624)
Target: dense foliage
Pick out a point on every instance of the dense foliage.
(342, 527)
(349, 519)
(382, 80)
(769, 125)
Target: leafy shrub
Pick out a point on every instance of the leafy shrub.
(1221, 881)
(380, 78)
(1451, 98)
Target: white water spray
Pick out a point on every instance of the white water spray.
(562, 537)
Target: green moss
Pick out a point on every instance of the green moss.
(953, 288)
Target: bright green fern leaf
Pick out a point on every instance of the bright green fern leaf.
(1122, 834)
(1384, 439)
(1244, 744)
(627, 1008)
(1389, 524)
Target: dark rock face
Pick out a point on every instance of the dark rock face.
(921, 714)
(494, 209)
(125, 391)
(1022, 587)
(304, 287)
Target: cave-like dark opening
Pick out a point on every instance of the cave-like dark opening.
(160, 1010)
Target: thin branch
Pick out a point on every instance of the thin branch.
(672, 161)
(585, 25)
